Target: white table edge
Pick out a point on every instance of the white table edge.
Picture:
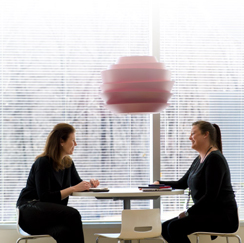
(130, 193)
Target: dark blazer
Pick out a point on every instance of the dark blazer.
(44, 183)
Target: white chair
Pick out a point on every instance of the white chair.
(227, 235)
(26, 236)
(137, 225)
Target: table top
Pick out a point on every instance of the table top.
(127, 192)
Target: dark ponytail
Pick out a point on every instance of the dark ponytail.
(214, 132)
(218, 137)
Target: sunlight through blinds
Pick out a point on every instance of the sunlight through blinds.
(52, 55)
(202, 44)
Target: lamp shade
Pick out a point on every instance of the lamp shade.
(136, 84)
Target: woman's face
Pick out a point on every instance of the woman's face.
(197, 138)
(69, 145)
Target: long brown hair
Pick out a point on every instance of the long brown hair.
(214, 132)
(52, 148)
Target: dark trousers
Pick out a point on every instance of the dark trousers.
(176, 230)
(63, 223)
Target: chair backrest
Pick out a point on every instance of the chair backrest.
(17, 222)
(19, 230)
(139, 224)
(238, 211)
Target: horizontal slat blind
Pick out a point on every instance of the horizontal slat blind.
(52, 55)
(202, 43)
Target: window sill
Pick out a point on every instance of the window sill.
(86, 225)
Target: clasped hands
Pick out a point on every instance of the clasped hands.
(182, 215)
(86, 185)
(94, 182)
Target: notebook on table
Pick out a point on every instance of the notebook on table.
(99, 189)
(155, 187)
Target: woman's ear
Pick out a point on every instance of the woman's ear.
(206, 134)
(61, 142)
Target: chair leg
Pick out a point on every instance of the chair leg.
(97, 239)
(20, 239)
(197, 238)
(227, 239)
(239, 238)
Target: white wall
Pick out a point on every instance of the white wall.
(10, 236)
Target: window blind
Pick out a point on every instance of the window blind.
(52, 55)
(202, 45)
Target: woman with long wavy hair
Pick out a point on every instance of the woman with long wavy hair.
(52, 178)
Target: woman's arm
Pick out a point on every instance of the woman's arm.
(75, 178)
(214, 174)
(77, 184)
(181, 183)
(82, 186)
(43, 172)
(42, 176)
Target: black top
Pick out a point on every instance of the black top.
(210, 185)
(44, 183)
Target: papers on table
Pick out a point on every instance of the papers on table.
(155, 187)
(99, 189)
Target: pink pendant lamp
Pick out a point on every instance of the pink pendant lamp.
(136, 84)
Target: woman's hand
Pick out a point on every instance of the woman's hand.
(82, 186)
(182, 215)
(94, 182)
(156, 182)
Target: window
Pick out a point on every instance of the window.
(51, 56)
(202, 45)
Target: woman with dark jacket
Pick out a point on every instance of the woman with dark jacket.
(52, 178)
(209, 182)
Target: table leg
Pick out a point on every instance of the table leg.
(126, 203)
(127, 206)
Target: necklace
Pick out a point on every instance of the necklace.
(189, 192)
(202, 160)
(206, 154)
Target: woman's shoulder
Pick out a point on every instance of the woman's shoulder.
(216, 154)
(43, 161)
(216, 157)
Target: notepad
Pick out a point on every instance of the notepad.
(99, 189)
(150, 189)
(155, 187)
